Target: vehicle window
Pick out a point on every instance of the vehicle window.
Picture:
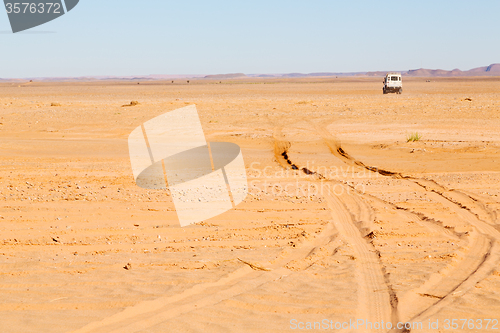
(394, 78)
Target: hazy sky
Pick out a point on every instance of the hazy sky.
(125, 37)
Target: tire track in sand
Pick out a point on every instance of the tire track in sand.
(150, 313)
(478, 261)
(376, 298)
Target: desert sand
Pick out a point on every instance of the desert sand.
(345, 219)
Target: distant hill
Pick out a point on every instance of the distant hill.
(226, 76)
(169, 77)
(491, 70)
(379, 73)
(152, 77)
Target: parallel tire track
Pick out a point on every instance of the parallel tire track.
(451, 282)
(150, 313)
(377, 300)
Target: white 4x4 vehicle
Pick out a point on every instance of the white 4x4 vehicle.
(393, 83)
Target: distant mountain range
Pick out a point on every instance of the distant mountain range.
(226, 76)
(491, 70)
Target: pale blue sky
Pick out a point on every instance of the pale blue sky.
(125, 37)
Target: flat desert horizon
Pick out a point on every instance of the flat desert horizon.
(348, 226)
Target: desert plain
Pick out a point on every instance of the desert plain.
(346, 220)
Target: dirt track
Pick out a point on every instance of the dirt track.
(345, 220)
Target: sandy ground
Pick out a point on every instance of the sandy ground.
(345, 219)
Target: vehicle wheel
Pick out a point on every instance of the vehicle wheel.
(385, 91)
(400, 91)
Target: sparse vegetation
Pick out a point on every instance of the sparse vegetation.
(412, 137)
